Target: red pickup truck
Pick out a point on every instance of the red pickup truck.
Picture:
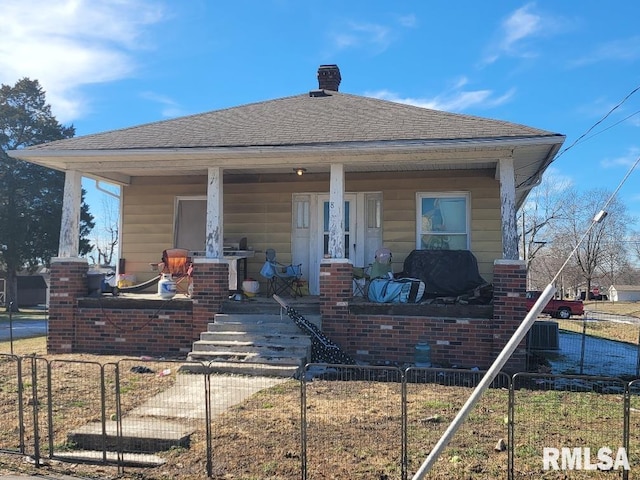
(556, 307)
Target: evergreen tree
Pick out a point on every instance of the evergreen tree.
(30, 195)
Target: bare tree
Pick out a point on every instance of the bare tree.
(634, 245)
(603, 245)
(108, 234)
(537, 228)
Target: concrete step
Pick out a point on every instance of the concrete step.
(305, 305)
(264, 357)
(94, 457)
(236, 340)
(260, 321)
(234, 336)
(299, 347)
(248, 369)
(139, 435)
(230, 326)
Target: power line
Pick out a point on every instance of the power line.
(584, 137)
(598, 122)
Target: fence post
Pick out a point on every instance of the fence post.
(207, 419)
(626, 424)
(638, 355)
(511, 428)
(303, 423)
(584, 338)
(34, 396)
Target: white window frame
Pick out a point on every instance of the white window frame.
(422, 195)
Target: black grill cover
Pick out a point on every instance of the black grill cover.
(445, 273)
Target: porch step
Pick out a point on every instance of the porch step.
(139, 435)
(248, 369)
(135, 460)
(308, 305)
(253, 344)
(258, 323)
(297, 346)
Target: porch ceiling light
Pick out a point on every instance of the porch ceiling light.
(300, 171)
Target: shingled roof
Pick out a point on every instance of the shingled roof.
(315, 118)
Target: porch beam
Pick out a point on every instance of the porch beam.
(506, 174)
(336, 211)
(214, 242)
(69, 243)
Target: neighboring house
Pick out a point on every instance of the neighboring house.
(372, 171)
(32, 290)
(624, 293)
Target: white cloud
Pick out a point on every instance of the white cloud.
(521, 24)
(67, 44)
(456, 101)
(372, 36)
(617, 50)
(516, 31)
(626, 160)
(171, 108)
(363, 35)
(409, 21)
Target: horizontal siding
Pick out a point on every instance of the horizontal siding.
(262, 213)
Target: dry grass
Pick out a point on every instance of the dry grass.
(622, 332)
(614, 329)
(616, 308)
(353, 428)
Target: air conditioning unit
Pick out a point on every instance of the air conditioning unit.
(544, 335)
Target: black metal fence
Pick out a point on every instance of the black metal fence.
(335, 421)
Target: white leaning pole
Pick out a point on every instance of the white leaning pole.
(493, 371)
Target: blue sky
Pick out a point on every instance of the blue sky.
(558, 66)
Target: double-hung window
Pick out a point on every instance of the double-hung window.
(443, 221)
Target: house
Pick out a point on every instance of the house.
(624, 293)
(32, 290)
(323, 177)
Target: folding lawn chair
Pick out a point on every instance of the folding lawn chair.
(282, 279)
(381, 267)
(177, 262)
(361, 277)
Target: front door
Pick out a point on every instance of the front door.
(350, 232)
(310, 235)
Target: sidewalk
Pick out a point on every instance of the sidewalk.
(183, 401)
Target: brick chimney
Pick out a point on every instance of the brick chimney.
(329, 77)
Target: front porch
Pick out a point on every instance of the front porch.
(144, 325)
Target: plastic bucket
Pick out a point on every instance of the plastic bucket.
(250, 287)
(423, 355)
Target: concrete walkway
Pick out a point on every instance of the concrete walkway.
(168, 412)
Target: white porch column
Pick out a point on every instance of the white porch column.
(214, 242)
(69, 245)
(336, 211)
(508, 209)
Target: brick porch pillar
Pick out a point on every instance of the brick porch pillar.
(509, 310)
(210, 288)
(336, 277)
(68, 282)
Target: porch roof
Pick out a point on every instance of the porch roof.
(310, 130)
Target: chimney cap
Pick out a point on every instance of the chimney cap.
(329, 77)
